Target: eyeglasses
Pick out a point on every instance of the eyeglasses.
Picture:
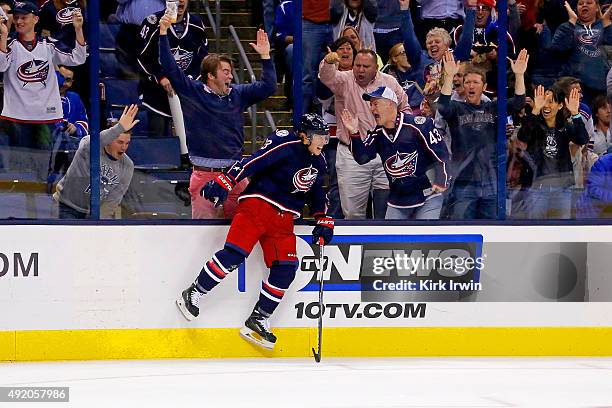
(68, 79)
(400, 53)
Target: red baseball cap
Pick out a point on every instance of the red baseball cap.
(489, 3)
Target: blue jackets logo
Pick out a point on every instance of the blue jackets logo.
(33, 71)
(304, 179)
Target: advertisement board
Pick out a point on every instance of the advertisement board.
(70, 280)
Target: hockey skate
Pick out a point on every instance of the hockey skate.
(188, 302)
(257, 330)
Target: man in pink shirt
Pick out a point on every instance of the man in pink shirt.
(355, 182)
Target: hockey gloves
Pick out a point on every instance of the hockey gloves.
(323, 229)
(217, 190)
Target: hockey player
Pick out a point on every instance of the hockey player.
(287, 170)
(189, 46)
(408, 146)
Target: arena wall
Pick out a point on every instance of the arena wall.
(108, 292)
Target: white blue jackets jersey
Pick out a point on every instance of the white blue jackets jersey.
(189, 46)
(285, 174)
(31, 93)
(407, 154)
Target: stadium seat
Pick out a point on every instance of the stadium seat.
(153, 153)
(108, 34)
(109, 67)
(120, 91)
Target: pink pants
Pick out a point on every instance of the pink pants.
(201, 208)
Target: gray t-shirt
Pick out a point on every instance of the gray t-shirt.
(73, 189)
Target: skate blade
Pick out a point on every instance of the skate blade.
(255, 338)
(180, 303)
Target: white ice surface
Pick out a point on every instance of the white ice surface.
(339, 382)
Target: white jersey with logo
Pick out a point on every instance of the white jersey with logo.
(31, 93)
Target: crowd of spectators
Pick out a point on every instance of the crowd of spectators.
(557, 125)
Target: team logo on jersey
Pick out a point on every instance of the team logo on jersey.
(152, 19)
(33, 71)
(282, 133)
(402, 164)
(182, 57)
(419, 120)
(304, 179)
(108, 180)
(64, 16)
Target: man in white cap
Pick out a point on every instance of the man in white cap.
(409, 146)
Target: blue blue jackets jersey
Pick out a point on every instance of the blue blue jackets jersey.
(415, 147)
(214, 124)
(285, 174)
(189, 46)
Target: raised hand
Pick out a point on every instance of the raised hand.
(77, 19)
(573, 102)
(262, 47)
(404, 4)
(331, 57)
(351, 123)
(519, 66)
(127, 117)
(539, 99)
(451, 67)
(573, 17)
(3, 29)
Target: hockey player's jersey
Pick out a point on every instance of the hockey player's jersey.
(285, 174)
(31, 93)
(188, 44)
(407, 154)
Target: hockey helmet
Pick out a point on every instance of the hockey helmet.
(313, 124)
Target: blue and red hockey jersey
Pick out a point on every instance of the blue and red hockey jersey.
(414, 147)
(285, 174)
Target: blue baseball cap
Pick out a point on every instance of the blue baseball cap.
(25, 7)
(382, 92)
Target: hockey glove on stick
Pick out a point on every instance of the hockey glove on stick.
(323, 229)
(217, 190)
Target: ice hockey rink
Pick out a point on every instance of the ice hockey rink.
(335, 382)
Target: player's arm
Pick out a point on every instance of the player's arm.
(274, 150)
(324, 224)
(363, 151)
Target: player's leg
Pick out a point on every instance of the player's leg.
(244, 233)
(279, 248)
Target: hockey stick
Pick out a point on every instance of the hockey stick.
(317, 354)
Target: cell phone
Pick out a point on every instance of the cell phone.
(509, 120)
